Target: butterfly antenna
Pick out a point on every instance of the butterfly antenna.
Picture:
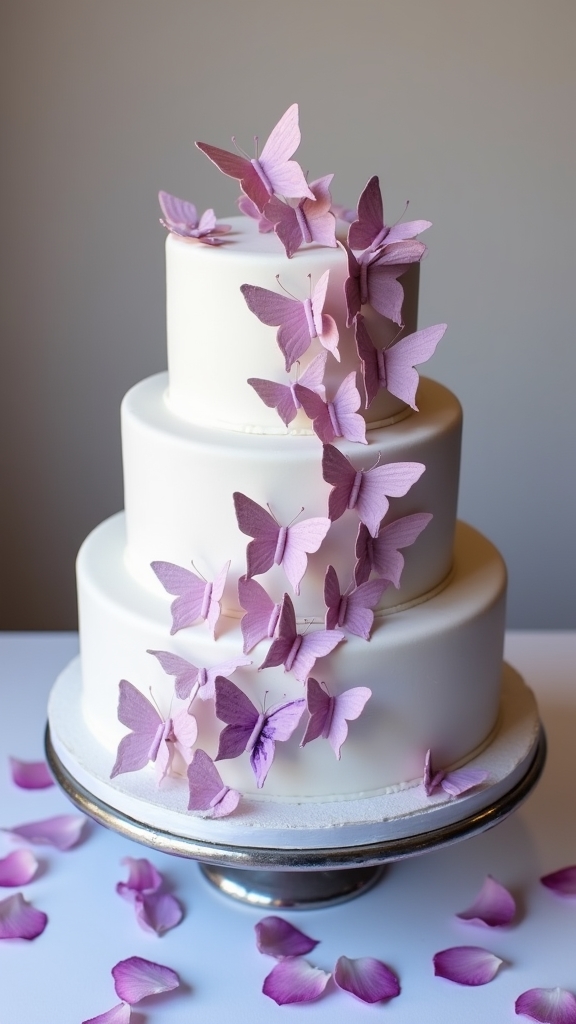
(237, 147)
(403, 214)
(285, 289)
(198, 571)
(395, 338)
(153, 699)
(295, 518)
(272, 514)
(256, 143)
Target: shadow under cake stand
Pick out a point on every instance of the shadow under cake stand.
(273, 854)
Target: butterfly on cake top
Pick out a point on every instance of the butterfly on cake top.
(277, 195)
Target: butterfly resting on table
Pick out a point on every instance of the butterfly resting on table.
(152, 738)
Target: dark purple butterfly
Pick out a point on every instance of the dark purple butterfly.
(369, 231)
(192, 681)
(152, 738)
(305, 221)
(207, 791)
(453, 783)
(352, 610)
(393, 368)
(373, 278)
(181, 218)
(249, 209)
(271, 173)
(381, 554)
(366, 490)
(298, 652)
(338, 418)
(260, 620)
(195, 598)
(250, 730)
(329, 715)
(283, 397)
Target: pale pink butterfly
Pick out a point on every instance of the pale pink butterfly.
(381, 554)
(152, 738)
(207, 791)
(249, 730)
(273, 544)
(298, 321)
(283, 397)
(343, 212)
(181, 218)
(454, 783)
(373, 278)
(196, 598)
(249, 209)
(298, 652)
(329, 715)
(191, 681)
(366, 490)
(392, 368)
(304, 221)
(352, 610)
(338, 418)
(260, 621)
(270, 173)
(368, 230)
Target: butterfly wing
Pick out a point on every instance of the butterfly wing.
(180, 216)
(370, 222)
(216, 596)
(239, 167)
(338, 471)
(260, 610)
(319, 217)
(369, 357)
(378, 484)
(233, 707)
(256, 522)
(224, 668)
(346, 403)
(302, 539)
(275, 396)
(207, 791)
(185, 729)
(359, 616)
(281, 647)
(332, 598)
(407, 229)
(318, 703)
(401, 358)
(184, 671)
(401, 533)
(188, 587)
(460, 781)
(279, 724)
(140, 716)
(317, 410)
(285, 175)
(280, 311)
(325, 325)
(286, 225)
(347, 707)
(313, 376)
(352, 288)
(313, 646)
(385, 293)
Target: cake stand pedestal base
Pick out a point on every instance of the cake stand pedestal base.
(294, 890)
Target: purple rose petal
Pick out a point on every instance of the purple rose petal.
(280, 939)
(562, 882)
(157, 912)
(494, 906)
(63, 831)
(117, 1015)
(548, 1005)
(143, 876)
(19, 920)
(295, 981)
(30, 774)
(366, 978)
(136, 978)
(466, 965)
(18, 868)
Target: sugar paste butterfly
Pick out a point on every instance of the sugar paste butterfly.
(191, 681)
(152, 738)
(249, 730)
(393, 368)
(287, 546)
(329, 715)
(260, 620)
(353, 610)
(196, 598)
(453, 783)
(298, 652)
(373, 278)
(305, 221)
(270, 173)
(381, 554)
(207, 791)
(366, 490)
(249, 209)
(181, 218)
(369, 231)
(283, 397)
(338, 418)
(298, 321)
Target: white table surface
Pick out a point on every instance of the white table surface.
(63, 977)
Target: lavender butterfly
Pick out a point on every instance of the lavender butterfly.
(365, 490)
(329, 715)
(305, 221)
(270, 173)
(453, 783)
(195, 598)
(298, 322)
(249, 209)
(352, 610)
(381, 554)
(373, 278)
(283, 397)
(287, 546)
(369, 231)
(260, 620)
(192, 681)
(393, 368)
(181, 218)
(338, 418)
(151, 738)
(250, 730)
(207, 791)
(298, 652)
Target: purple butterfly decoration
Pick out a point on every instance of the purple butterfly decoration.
(369, 231)
(298, 322)
(309, 220)
(338, 418)
(393, 368)
(366, 490)
(181, 218)
(249, 209)
(287, 546)
(298, 652)
(283, 397)
(250, 730)
(192, 681)
(343, 212)
(352, 610)
(381, 554)
(207, 791)
(329, 715)
(373, 278)
(195, 598)
(260, 620)
(271, 173)
(151, 738)
(453, 783)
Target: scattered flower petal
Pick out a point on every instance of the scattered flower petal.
(466, 965)
(279, 938)
(295, 981)
(548, 1005)
(18, 868)
(30, 774)
(157, 912)
(494, 906)
(143, 876)
(562, 882)
(20, 920)
(366, 978)
(136, 978)
(63, 831)
(117, 1015)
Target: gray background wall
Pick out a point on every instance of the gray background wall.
(466, 108)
